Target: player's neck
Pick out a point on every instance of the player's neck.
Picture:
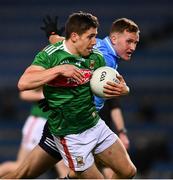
(70, 48)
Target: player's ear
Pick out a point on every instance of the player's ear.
(113, 38)
(74, 36)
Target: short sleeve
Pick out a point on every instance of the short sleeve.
(42, 59)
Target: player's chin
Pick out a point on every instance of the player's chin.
(126, 58)
(86, 53)
(89, 50)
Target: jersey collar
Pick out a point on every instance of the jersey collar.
(65, 47)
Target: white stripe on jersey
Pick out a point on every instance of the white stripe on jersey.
(51, 49)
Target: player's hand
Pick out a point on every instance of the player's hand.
(125, 88)
(51, 26)
(112, 89)
(71, 71)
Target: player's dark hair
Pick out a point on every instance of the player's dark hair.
(80, 22)
(122, 24)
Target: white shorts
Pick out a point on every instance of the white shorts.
(32, 131)
(77, 150)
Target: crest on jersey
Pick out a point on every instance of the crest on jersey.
(80, 162)
(92, 63)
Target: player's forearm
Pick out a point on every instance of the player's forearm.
(32, 95)
(117, 118)
(33, 79)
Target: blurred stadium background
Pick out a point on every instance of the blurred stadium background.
(148, 110)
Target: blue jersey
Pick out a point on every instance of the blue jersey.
(108, 52)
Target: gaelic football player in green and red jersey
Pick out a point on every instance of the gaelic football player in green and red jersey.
(77, 129)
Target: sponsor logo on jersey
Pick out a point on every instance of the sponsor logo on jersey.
(66, 61)
(81, 59)
(62, 81)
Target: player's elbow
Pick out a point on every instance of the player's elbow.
(22, 85)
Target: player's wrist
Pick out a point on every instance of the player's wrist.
(122, 131)
(51, 33)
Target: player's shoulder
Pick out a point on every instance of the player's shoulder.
(52, 48)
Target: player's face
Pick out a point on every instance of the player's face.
(125, 44)
(85, 42)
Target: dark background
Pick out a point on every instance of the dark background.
(148, 110)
